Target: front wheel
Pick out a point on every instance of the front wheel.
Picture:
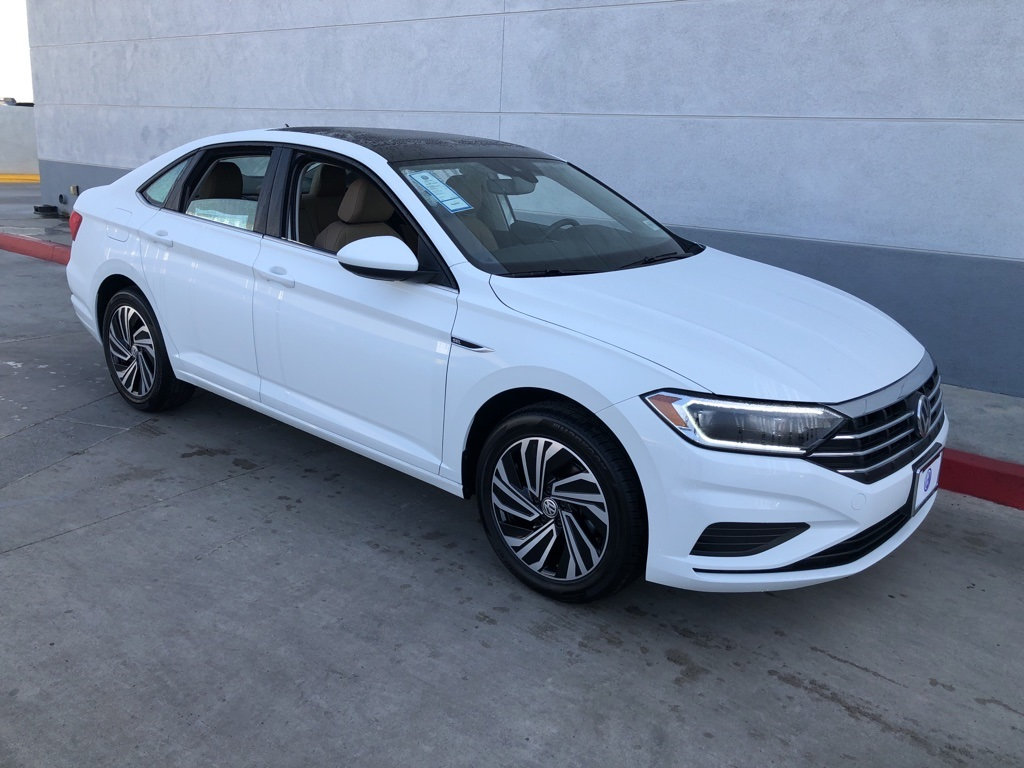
(561, 504)
(136, 355)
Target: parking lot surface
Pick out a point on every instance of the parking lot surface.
(207, 587)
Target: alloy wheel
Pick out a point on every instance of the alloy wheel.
(132, 352)
(550, 509)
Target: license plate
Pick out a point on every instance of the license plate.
(926, 479)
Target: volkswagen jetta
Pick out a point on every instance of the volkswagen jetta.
(495, 321)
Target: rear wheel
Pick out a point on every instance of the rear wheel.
(561, 504)
(136, 355)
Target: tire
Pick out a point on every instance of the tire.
(561, 503)
(137, 357)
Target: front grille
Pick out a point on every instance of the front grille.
(847, 551)
(875, 445)
(741, 539)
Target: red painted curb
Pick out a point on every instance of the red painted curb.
(37, 249)
(982, 477)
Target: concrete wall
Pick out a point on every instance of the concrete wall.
(17, 141)
(895, 123)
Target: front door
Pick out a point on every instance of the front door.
(365, 360)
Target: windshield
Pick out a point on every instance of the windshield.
(523, 217)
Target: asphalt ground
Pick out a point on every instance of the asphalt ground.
(17, 202)
(210, 587)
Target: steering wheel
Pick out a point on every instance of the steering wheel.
(559, 225)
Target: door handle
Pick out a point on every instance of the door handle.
(277, 275)
(161, 237)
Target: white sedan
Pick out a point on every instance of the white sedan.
(493, 320)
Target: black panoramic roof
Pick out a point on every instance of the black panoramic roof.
(397, 145)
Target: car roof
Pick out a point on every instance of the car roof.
(399, 145)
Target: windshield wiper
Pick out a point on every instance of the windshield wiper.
(547, 273)
(653, 260)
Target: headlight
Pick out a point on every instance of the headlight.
(738, 425)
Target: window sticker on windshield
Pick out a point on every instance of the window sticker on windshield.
(440, 191)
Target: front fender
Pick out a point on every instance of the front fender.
(526, 353)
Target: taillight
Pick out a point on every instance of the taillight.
(74, 222)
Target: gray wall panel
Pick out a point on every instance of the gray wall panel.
(897, 184)
(126, 137)
(54, 174)
(518, 6)
(966, 310)
(52, 22)
(379, 66)
(18, 153)
(896, 58)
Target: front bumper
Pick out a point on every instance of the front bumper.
(687, 488)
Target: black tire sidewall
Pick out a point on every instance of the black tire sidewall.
(163, 377)
(606, 459)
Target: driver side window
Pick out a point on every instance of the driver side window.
(319, 188)
(334, 203)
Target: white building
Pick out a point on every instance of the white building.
(878, 146)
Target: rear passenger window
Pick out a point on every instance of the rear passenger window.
(158, 189)
(228, 190)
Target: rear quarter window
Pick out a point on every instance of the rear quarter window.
(157, 190)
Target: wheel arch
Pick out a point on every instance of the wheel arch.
(498, 408)
(118, 281)
(106, 290)
(552, 415)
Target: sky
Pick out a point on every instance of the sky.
(15, 70)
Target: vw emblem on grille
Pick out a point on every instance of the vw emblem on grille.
(923, 415)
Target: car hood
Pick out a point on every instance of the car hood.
(730, 325)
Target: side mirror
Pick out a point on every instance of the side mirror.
(383, 257)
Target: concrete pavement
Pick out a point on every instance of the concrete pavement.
(210, 587)
(17, 218)
(21, 231)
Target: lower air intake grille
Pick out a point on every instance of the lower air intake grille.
(740, 539)
(847, 551)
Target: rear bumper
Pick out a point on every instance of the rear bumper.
(85, 316)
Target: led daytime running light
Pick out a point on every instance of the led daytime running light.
(777, 428)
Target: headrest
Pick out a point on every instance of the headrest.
(223, 182)
(469, 188)
(364, 204)
(329, 181)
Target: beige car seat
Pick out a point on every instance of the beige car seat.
(471, 189)
(362, 213)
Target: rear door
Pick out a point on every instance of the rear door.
(198, 256)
